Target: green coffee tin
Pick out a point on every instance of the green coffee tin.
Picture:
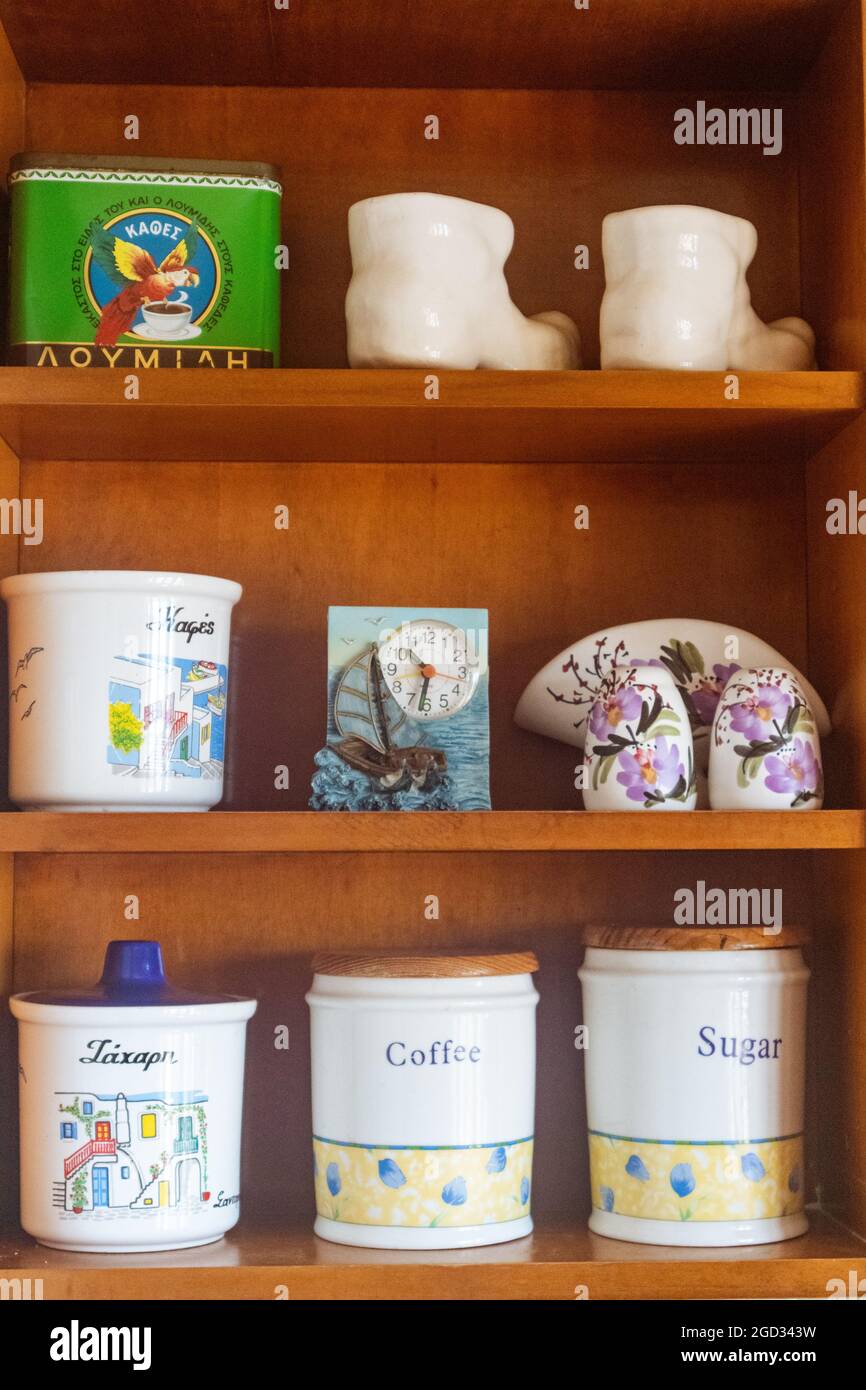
(138, 263)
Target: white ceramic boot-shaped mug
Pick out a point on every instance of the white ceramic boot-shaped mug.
(428, 289)
(639, 753)
(676, 296)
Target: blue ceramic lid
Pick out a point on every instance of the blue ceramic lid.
(133, 975)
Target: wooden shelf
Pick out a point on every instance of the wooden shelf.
(382, 416)
(455, 43)
(322, 832)
(550, 1264)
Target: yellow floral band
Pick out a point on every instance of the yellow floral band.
(661, 1180)
(472, 1185)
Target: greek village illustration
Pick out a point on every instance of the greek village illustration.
(166, 718)
(131, 1154)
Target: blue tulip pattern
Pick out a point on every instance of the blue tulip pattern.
(454, 1192)
(683, 1179)
(636, 1168)
(391, 1175)
(700, 1180)
(752, 1167)
(428, 1186)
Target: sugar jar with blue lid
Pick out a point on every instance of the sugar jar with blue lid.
(131, 1099)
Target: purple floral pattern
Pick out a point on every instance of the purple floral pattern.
(760, 711)
(649, 773)
(636, 732)
(795, 771)
(700, 689)
(768, 710)
(610, 711)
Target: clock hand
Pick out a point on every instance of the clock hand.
(427, 670)
(424, 689)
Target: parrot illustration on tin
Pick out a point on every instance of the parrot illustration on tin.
(141, 280)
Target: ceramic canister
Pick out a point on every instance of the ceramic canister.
(131, 1096)
(639, 751)
(423, 1099)
(134, 263)
(694, 1081)
(118, 682)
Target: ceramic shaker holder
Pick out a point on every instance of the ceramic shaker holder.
(694, 1083)
(423, 1098)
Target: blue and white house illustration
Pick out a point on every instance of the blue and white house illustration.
(136, 1153)
(166, 717)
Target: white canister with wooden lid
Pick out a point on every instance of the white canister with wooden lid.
(423, 1098)
(694, 1080)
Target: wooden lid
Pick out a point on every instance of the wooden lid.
(694, 938)
(410, 966)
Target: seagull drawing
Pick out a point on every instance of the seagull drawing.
(24, 661)
(141, 281)
(26, 714)
(13, 694)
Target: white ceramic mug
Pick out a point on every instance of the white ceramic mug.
(765, 753)
(428, 289)
(639, 751)
(131, 1097)
(676, 296)
(118, 682)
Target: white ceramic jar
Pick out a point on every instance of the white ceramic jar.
(131, 1097)
(423, 1099)
(694, 1084)
(118, 682)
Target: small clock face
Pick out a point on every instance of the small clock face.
(430, 668)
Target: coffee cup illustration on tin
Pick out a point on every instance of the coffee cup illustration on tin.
(166, 318)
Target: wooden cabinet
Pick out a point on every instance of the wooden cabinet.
(697, 502)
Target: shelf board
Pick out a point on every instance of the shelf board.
(326, 832)
(456, 43)
(384, 416)
(550, 1264)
